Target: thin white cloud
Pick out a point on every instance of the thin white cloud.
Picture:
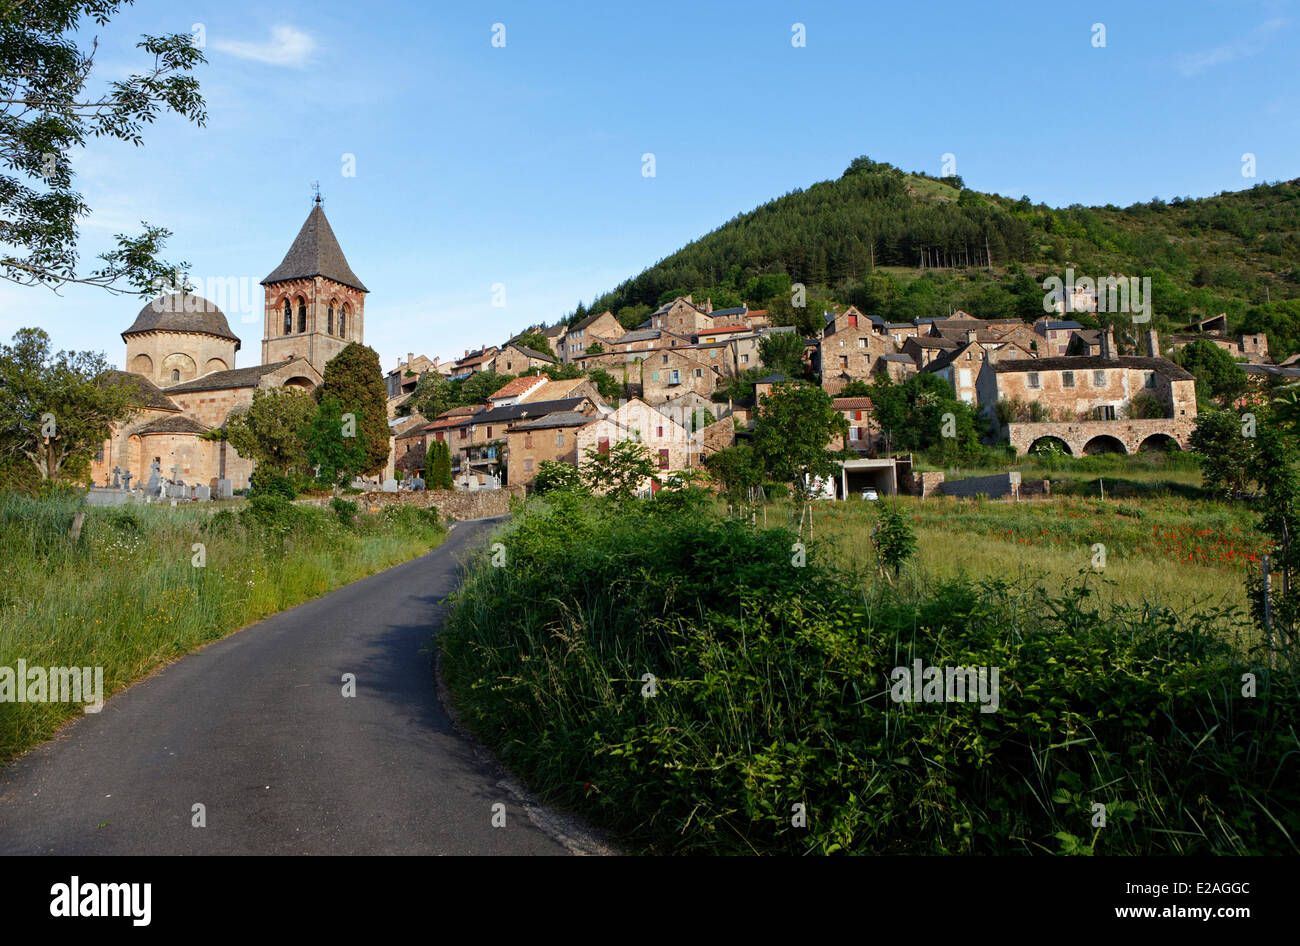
(288, 46)
(1195, 63)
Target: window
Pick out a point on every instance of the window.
(1099, 379)
(963, 377)
(602, 445)
(1067, 379)
(489, 433)
(528, 464)
(329, 318)
(528, 440)
(654, 376)
(659, 431)
(744, 359)
(463, 433)
(439, 435)
(676, 377)
(862, 342)
(1033, 379)
(665, 359)
(699, 372)
(288, 317)
(1105, 412)
(559, 438)
(853, 321)
(302, 314)
(176, 374)
(343, 321)
(663, 459)
(1150, 379)
(844, 362)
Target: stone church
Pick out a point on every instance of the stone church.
(180, 355)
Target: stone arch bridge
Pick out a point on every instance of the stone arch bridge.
(1106, 436)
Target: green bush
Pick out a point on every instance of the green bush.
(266, 482)
(772, 690)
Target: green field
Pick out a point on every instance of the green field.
(127, 595)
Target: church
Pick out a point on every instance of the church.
(180, 355)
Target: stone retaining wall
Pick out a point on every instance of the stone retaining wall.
(458, 503)
(994, 487)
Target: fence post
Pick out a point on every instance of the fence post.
(1268, 606)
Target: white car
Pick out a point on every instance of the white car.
(870, 494)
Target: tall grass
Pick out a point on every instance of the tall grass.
(128, 596)
(771, 691)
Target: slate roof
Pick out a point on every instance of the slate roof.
(235, 378)
(944, 360)
(584, 322)
(531, 353)
(509, 412)
(640, 335)
(150, 395)
(180, 424)
(315, 252)
(896, 356)
(735, 310)
(1058, 325)
(771, 379)
(182, 312)
(555, 419)
(1077, 362)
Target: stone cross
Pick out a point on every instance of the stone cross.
(126, 480)
(176, 472)
(117, 472)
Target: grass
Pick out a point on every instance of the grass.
(127, 596)
(772, 698)
(1164, 551)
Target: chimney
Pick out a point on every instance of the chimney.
(1153, 343)
(410, 358)
(970, 334)
(1108, 343)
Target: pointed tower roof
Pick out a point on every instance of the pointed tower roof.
(315, 252)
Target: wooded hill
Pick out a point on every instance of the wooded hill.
(908, 245)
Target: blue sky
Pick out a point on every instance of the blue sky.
(521, 165)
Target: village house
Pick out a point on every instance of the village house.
(863, 431)
(682, 317)
(670, 444)
(1251, 347)
(601, 327)
(669, 373)
(1090, 404)
(849, 353)
(473, 362)
(516, 359)
(897, 366)
(552, 437)
(1055, 335)
(923, 349)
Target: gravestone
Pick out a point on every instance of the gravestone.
(117, 477)
(176, 491)
(390, 486)
(224, 489)
(203, 493)
(154, 479)
(126, 480)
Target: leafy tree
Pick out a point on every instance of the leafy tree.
(595, 348)
(535, 340)
(1218, 377)
(856, 388)
(894, 539)
(736, 468)
(57, 409)
(741, 387)
(1224, 451)
(621, 470)
(439, 466)
(336, 448)
(47, 113)
(1274, 467)
(607, 386)
(353, 377)
(795, 424)
(914, 415)
(481, 385)
(553, 476)
(433, 394)
(272, 431)
(783, 352)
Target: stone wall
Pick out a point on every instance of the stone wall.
(462, 504)
(1130, 433)
(994, 487)
(1035, 489)
(921, 484)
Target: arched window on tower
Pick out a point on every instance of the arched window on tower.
(343, 321)
(176, 374)
(288, 318)
(302, 314)
(330, 318)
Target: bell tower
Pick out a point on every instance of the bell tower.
(315, 304)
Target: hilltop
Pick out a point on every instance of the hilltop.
(907, 245)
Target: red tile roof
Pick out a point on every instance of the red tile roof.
(852, 404)
(519, 386)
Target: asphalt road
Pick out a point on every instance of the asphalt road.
(256, 729)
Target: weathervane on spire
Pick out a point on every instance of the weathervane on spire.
(316, 188)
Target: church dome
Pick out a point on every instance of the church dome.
(182, 312)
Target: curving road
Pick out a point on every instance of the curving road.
(255, 728)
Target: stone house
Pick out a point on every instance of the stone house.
(601, 327)
(516, 359)
(669, 443)
(552, 437)
(863, 430)
(1055, 336)
(668, 373)
(473, 362)
(682, 317)
(1085, 402)
(849, 353)
(897, 366)
(923, 349)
